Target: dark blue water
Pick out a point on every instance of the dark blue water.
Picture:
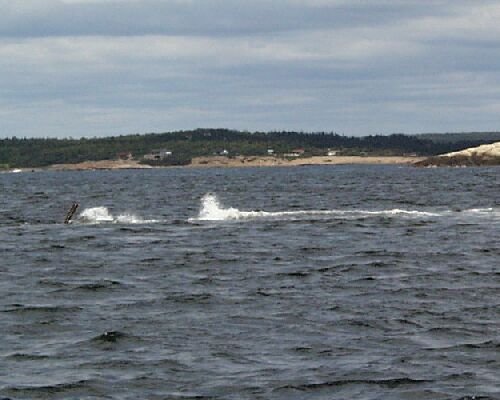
(333, 282)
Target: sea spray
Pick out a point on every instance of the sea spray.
(212, 210)
(95, 215)
(99, 215)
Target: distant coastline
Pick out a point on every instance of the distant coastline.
(234, 162)
(269, 161)
(204, 148)
(183, 148)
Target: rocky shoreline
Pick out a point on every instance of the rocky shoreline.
(232, 162)
(484, 155)
(98, 165)
(270, 161)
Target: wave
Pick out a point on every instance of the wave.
(42, 309)
(390, 383)
(50, 389)
(212, 210)
(99, 215)
(487, 212)
(110, 337)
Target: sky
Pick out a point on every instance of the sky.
(74, 68)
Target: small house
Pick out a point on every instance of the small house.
(158, 155)
(124, 155)
(295, 153)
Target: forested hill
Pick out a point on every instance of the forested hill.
(23, 152)
(483, 137)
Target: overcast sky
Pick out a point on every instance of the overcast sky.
(109, 67)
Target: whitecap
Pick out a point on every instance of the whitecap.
(212, 210)
(99, 215)
(489, 212)
(95, 215)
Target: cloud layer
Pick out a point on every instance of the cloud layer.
(102, 67)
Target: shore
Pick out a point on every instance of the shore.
(93, 165)
(269, 161)
(232, 162)
(484, 155)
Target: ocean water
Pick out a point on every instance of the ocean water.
(334, 282)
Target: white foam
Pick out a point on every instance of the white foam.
(212, 210)
(99, 215)
(96, 215)
(400, 212)
(133, 219)
(492, 213)
(480, 210)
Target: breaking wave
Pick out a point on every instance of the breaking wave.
(212, 210)
(99, 215)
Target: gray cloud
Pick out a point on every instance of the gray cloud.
(205, 18)
(100, 67)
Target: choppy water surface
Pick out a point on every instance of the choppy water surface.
(274, 283)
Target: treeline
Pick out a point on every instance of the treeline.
(25, 152)
(483, 137)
